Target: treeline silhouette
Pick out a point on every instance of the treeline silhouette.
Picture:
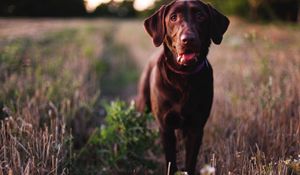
(287, 10)
(42, 8)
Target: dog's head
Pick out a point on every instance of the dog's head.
(186, 27)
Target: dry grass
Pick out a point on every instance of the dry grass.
(50, 82)
(27, 150)
(255, 121)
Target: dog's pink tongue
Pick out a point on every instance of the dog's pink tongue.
(188, 56)
(185, 57)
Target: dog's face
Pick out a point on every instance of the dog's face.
(186, 24)
(187, 28)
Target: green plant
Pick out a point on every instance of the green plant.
(121, 145)
(239, 7)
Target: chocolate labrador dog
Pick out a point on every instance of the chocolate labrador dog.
(178, 85)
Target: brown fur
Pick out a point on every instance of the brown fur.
(181, 101)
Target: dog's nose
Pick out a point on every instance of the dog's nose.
(187, 38)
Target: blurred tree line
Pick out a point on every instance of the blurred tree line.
(116, 9)
(287, 10)
(42, 8)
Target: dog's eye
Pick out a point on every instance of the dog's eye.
(200, 17)
(173, 18)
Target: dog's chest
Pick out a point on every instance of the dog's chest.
(189, 97)
(185, 95)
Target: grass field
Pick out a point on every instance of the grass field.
(58, 78)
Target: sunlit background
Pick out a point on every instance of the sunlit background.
(139, 5)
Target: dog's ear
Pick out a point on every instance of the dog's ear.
(155, 26)
(218, 24)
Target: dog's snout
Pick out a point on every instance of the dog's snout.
(187, 38)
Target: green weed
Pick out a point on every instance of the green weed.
(121, 145)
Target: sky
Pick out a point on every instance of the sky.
(139, 5)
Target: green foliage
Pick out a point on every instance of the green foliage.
(237, 7)
(121, 145)
(116, 9)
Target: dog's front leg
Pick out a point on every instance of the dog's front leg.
(169, 144)
(193, 140)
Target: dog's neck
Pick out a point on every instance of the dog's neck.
(196, 70)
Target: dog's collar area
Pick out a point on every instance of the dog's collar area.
(196, 70)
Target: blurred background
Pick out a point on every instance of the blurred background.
(286, 10)
(69, 70)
